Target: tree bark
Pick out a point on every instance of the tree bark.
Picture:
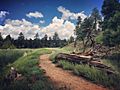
(81, 59)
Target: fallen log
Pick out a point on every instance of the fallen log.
(73, 58)
(99, 64)
(81, 59)
(102, 67)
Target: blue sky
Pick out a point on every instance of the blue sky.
(19, 8)
(55, 11)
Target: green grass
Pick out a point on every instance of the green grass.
(66, 65)
(99, 38)
(56, 51)
(90, 73)
(9, 56)
(71, 47)
(27, 65)
(113, 60)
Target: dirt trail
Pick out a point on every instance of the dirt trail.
(65, 80)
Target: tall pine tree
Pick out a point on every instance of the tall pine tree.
(111, 24)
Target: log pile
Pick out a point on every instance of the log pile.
(73, 58)
(81, 59)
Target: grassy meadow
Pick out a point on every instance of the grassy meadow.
(26, 62)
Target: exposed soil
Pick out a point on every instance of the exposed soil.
(65, 80)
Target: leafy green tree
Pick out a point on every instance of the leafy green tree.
(7, 44)
(55, 36)
(20, 40)
(111, 36)
(1, 40)
(96, 17)
(37, 36)
(71, 40)
(87, 29)
(114, 22)
(50, 42)
(45, 41)
(36, 41)
(84, 32)
(109, 8)
(45, 37)
(77, 32)
(56, 40)
(21, 36)
(111, 24)
(8, 37)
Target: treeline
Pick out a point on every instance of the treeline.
(21, 42)
(103, 29)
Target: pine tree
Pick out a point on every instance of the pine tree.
(21, 40)
(109, 8)
(1, 40)
(96, 17)
(36, 41)
(7, 44)
(56, 40)
(111, 24)
(71, 40)
(37, 36)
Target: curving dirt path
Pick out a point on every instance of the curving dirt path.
(65, 80)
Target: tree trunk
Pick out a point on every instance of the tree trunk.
(84, 46)
(81, 59)
(75, 43)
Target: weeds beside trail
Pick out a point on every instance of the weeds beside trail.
(32, 76)
(90, 73)
(9, 56)
(64, 80)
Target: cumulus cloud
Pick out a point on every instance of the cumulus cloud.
(14, 27)
(3, 13)
(35, 14)
(63, 27)
(67, 14)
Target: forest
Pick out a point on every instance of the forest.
(88, 60)
(21, 42)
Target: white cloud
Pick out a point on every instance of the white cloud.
(64, 28)
(14, 27)
(3, 13)
(67, 14)
(35, 14)
(42, 21)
